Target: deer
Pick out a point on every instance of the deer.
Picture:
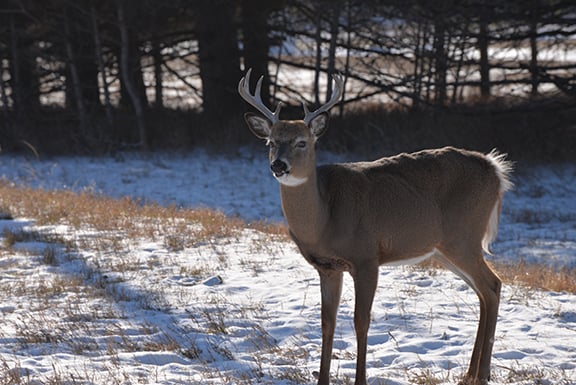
(442, 204)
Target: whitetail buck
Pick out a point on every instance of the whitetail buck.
(353, 217)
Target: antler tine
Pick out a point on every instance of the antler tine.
(256, 99)
(335, 98)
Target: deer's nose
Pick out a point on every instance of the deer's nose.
(278, 167)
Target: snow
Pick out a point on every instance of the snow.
(251, 312)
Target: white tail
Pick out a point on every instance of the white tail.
(503, 169)
(353, 217)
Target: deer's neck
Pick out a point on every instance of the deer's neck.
(305, 210)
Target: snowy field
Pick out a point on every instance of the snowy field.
(250, 313)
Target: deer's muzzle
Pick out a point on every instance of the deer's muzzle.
(279, 167)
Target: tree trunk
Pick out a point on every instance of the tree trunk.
(5, 121)
(82, 70)
(256, 42)
(3, 93)
(318, 62)
(483, 42)
(459, 55)
(133, 56)
(158, 81)
(534, 57)
(219, 58)
(127, 80)
(440, 63)
(98, 51)
(349, 27)
(73, 83)
(23, 77)
(418, 71)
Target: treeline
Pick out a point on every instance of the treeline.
(85, 75)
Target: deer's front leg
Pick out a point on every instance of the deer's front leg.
(331, 287)
(365, 283)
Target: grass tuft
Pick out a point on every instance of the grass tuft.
(538, 276)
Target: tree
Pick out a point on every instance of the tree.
(24, 81)
(78, 55)
(128, 61)
(219, 57)
(484, 64)
(256, 40)
(99, 54)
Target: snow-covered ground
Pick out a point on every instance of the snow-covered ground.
(250, 312)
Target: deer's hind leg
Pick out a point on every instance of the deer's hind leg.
(473, 269)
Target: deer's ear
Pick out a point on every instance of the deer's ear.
(319, 124)
(259, 126)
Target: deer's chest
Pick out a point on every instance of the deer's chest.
(322, 258)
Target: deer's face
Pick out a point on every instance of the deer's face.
(292, 152)
(292, 146)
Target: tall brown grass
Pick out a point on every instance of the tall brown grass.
(184, 227)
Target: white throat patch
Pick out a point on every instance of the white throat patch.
(290, 180)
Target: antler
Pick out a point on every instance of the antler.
(256, 99)
(335, 98)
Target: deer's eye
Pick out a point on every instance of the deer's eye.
(301, 144)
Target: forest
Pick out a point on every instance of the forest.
(87, 76)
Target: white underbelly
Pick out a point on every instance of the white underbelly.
(412, 261)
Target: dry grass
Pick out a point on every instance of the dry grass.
(180, 228)
(538, 277)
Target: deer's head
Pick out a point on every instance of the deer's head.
(291, 142)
